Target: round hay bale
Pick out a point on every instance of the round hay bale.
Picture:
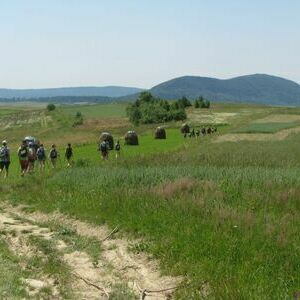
(131, 138)
(185, 128)
(107, 137)
(160, 133)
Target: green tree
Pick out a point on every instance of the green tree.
(148, 109)
(184, 102)
(134, 114)
(51, 107)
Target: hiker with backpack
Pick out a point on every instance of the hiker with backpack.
(118, 149)
(4, 158)
(23, 157)
(53, 155)
(41, 156)
(103, 148)
(31, 156)
(69, 155)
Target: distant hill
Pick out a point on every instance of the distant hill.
(107, 91)
(258, 88)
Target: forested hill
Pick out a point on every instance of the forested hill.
(258, 88)
(107, 91)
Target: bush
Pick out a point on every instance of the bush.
(78, 115)
(148, 109)
(51, 107)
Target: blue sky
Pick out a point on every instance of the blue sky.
(52, 43)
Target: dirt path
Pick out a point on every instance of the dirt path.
(117, 270)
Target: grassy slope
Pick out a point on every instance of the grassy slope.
(98, 111)
(226, 214)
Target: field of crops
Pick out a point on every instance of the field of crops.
(223, 216)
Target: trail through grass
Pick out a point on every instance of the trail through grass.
(222, 215)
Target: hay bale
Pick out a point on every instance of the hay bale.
(160, 133)
(107, 137)
(131, 138)
(185, 128)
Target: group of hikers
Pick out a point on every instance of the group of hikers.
(105, 146)
(30, 153)
(203, 131)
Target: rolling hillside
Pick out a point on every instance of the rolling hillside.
(258, 88)
(107, 91)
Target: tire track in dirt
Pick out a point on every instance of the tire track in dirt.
(116, 265)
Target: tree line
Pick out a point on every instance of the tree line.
(148, 109)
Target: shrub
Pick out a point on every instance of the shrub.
(78, 115)
(51, 107)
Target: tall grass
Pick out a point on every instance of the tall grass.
(225, 216)
(235, 228)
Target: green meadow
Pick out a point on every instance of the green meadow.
(223, 216)
(266, 127)
(97, 110)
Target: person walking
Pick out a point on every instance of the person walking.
(69, 155)
(53, 155)
(23, 157)
(103, 148)
(41, 156)
(31, 156)
(4, 158)
(118, 149)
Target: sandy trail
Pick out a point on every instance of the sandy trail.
(116, 265)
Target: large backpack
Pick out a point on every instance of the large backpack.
(23, 152)
(103, 146)
(4, 153)
(53, 153)
(40, 153)
(31, 154)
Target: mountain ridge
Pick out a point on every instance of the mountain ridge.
(256, 88)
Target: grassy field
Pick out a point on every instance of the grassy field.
(225, 216)
(117, 110)
(266, 127)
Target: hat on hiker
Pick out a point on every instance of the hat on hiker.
(4, 142)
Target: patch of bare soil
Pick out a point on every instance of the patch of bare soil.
(93, 281)
(236, 137)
